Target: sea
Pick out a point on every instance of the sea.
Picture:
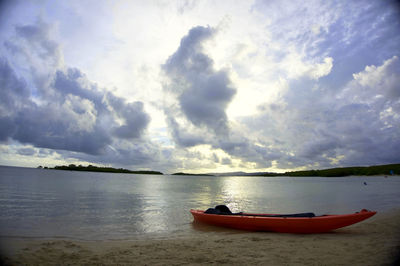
(44, 203)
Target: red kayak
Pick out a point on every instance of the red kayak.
(292, 223)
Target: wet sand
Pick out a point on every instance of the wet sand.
(373, 242)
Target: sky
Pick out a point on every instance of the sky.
(200, 86)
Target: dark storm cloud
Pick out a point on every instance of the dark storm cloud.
(203, 93)
(60, 108)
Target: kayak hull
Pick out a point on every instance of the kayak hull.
(300, 225)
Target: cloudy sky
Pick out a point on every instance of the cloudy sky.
(200, 86)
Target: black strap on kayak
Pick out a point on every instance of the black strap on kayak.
(305, 214)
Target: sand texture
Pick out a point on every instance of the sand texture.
(372, 242)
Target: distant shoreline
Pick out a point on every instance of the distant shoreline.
(384, 170)
(92, 168)
(376, 170)
(193, 174)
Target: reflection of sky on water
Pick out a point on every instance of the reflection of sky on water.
(116, 206)
(235, 193)
(154, 198)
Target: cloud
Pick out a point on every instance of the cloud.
(135, 120)
(58, 107)
(356, 125)
(139, 153)
(26, 151)
(226, 161)
(183, 137)
(377, 81)
(202, 92)
(370, 105)
(196, 114)
(13, 94)
(38, 36)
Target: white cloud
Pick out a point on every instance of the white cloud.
(378, 81)
(322, 69)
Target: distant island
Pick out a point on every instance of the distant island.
(193, 174)
(388, 169)
(92, 168)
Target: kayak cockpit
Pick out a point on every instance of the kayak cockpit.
(224, 210)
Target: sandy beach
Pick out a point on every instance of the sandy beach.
(372, 242)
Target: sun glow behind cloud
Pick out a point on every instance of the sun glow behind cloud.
(200, 85)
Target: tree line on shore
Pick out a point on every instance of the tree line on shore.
(389, 169)
(93, 168)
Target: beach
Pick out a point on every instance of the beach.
(373, 242)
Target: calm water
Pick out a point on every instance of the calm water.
(97, 206)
